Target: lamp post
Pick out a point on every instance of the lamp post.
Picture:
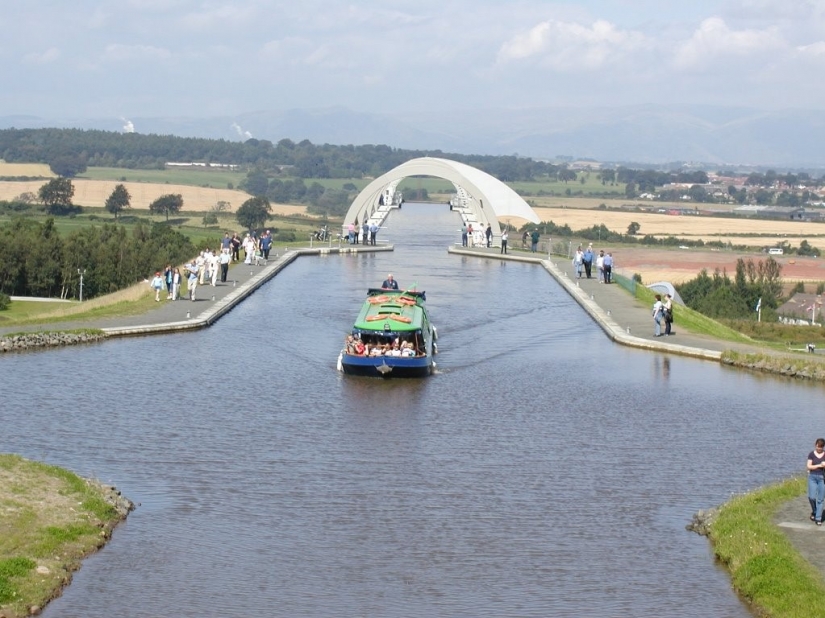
(81, 272)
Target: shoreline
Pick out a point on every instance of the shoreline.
(54, 520)
(775, 556)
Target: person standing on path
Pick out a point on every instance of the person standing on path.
(176, 283)
(816, 480)
(488, 233)
(668, 313)
(658, 313)
(365, 233)
(373, 232)
(167, 277)
(608, 268)
(600, 265)
(504, 242)
(534, 238)
(266, 244)
(587, 259)
(463, 234)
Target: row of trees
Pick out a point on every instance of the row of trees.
(719, 296)
(57, 194)
(37, 261)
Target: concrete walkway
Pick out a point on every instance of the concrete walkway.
(211, 302)
(623, 318)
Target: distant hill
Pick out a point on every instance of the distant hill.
(714, 136)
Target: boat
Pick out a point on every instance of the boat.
(392, 337)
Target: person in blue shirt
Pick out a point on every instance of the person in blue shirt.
(587, 260)
(608, 268)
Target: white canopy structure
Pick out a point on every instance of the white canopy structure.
(480, 198)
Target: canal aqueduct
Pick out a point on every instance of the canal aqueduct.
(480, 198)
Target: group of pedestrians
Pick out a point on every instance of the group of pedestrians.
(208, 265)
(583, 264)
(367, 232)
(662, 312)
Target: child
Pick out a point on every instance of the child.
(157, 285)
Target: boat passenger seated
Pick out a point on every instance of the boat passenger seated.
(360, 348)
(407, 349)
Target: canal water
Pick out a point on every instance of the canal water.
(542, 471)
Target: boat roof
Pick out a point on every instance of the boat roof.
(387, 311)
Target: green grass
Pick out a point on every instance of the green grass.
(50, 518)
(764, 566)
(694, 321)
(215, 178)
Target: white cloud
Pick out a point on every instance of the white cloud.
(568, 46)
(714, 40)
(45, 57)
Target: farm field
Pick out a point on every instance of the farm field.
(678, 266)
(25, 169)
(767, 232)
(93, 193)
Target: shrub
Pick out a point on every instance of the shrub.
(5, 301)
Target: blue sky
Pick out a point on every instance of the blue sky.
(134, 58)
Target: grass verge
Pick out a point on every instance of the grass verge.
(694, 321)
(130, 301)
(764, 566)
(50, 518)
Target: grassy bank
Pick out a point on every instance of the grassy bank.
(764, 566)
(50, 519)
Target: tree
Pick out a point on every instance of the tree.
(166, 204)
(118, 200)
(68, 165)
(57, 196)
(254, 212)
(210, 219)
(221, 206)
(633, 228)
(256, 183)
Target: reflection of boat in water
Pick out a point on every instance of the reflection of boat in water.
(392, 337)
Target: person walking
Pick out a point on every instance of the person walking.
(587, 259)
(167, 278)
(668, 313)
(578, 261)
(608, 268)
(600, 265)
(658, 313)
(157, 285)
(488, 233)
(816, 480)
(192, 282)
(504, 242)
(225, 258)
(176, 283)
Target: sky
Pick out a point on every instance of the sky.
(196, 58)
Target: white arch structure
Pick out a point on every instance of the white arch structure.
(480, 198)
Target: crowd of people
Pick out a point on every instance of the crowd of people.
(355, 346)
(366, 233)
(208, 265)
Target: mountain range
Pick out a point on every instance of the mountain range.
(710, 136)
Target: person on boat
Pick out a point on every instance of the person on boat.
(360, 348)
(389, 283)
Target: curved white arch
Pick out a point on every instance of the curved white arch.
(481, 198)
